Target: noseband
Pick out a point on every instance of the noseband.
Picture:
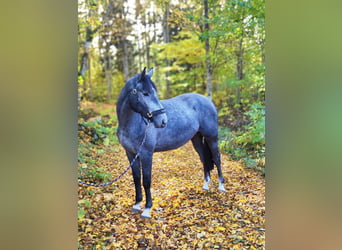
(149, 115)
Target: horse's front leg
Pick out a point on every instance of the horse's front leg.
(137, 181)
(146, 161)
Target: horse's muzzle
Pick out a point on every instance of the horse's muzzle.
(163, 124)
(158, 117)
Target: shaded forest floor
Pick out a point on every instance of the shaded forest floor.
(183, 216)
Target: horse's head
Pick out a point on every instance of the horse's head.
(143, 99)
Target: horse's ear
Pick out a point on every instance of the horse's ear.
(150, 72)
(142, 75)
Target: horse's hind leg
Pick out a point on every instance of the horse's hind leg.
(202, 151)
(213, 145)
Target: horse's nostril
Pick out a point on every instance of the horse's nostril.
(163, 123)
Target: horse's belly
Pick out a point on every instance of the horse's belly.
(166, 147)
(169, 141)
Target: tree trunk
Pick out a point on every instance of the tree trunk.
(85, 62)
(125, 61)
(91, 95)
(124, 45)
(139, 56)
(82, 73)
(239, 70)
(154, 36)
(108, 73)
(166, 36)
(207, 48)
(85, 69)
(147, 49)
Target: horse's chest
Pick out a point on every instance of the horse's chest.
(127, 140)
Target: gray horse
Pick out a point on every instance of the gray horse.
(172, 123)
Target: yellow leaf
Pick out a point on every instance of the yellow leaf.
(220, 229)
(194, 243)
(149, 236)
(108, 197)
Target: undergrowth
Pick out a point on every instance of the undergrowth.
(97, 136)
(248, 142)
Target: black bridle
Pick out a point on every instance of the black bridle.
(146, 113)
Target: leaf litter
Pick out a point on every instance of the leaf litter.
(183, 215)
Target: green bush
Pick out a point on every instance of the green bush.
(248, 143)
(95, 136)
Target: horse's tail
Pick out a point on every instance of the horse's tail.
(208, 156)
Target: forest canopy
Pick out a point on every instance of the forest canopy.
(211, 47)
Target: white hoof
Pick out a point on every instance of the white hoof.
(136, 208)
(206, 185)
(221, 188)
(146, 214)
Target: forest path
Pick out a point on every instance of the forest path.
(183, 215)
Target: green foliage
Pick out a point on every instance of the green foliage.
(237, 40)
(80, 213)
(237, 28)
(102, 130)
(82, 206)
(85, 202)
(85, 114)
(247, 144)
(255, 131)
(92, 172)
(98, 132)
(186, 57)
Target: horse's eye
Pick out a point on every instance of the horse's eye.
(145, 94)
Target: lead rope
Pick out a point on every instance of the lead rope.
(126, 170)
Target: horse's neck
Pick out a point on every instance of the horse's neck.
(124, 112)
(126, 115)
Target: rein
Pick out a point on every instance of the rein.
(126, 170)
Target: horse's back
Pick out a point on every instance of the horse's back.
(206, 113)
(187, 115)
(197, 102)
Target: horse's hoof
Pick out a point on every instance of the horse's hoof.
(206, 187)
(145, 217)
(135, 210)
(206, 184)
(146, 214)
(221, 188)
